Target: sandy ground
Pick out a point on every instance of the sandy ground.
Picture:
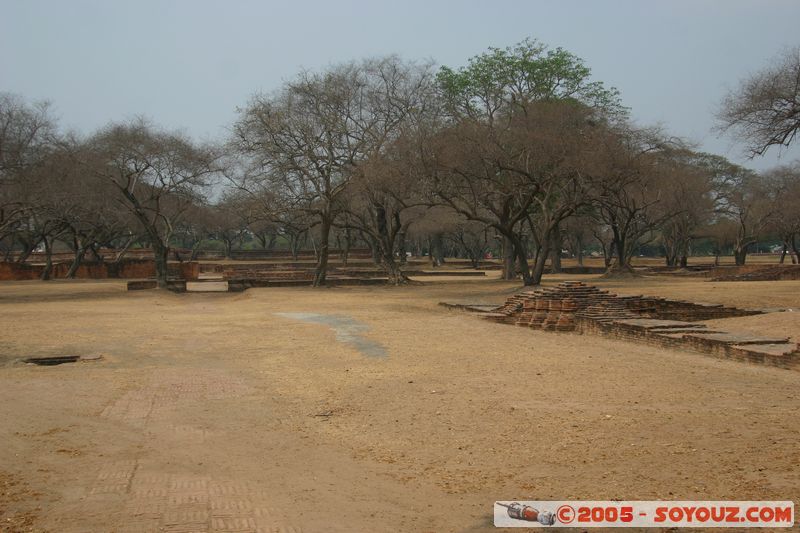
(230, 412)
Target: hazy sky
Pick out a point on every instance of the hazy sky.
(188, 64)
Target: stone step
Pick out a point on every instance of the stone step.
(654, 323)
(773, 349)
(676, 331)
(736, 338)
(206, 286)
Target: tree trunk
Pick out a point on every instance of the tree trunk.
(525, 269)
(48, 266)
(374, 249)
(293, 245)
(685, 252)
(555, 260)
(518, 247)
(538, 269)
(27, 251)
(80, 252)
(784, 252)
(393, 270)
(97, 257)
(622, 263)
(508, 260)
(670, 252)
(346, 247)
(401, 245)
(555, 239)
(437, 249)
(122, 252)
(539, 263)
(475, 257)
(606, 249)
(161, 255)
(622, 253)
(740, 255)
(321, 271)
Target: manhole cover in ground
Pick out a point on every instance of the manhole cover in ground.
(53, 360)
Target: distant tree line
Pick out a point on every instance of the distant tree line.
(519, 152)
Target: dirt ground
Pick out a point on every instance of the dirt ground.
(231, 412)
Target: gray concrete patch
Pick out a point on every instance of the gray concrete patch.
(347, 329)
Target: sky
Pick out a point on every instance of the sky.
(188, 64)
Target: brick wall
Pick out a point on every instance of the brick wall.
(126, 269)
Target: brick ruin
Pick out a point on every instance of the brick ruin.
(289, 273)
(126, 269)
(575, 306)
(286, 272)
(770, 273)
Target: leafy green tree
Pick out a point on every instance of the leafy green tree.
(502, 81)
(516, 121)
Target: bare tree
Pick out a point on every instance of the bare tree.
(473, 238)
(631, 174)
(690, 198)
(157, 175)
(27, 135)
(384, 198)
(785, 181)
(75, 198)
(229, 221)
(577, 231)
(473, 177)
(195, 228)
(49, 202)
(722, 231)
(429, 229)
(749, 202)
(306, 141)
(764, 110)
